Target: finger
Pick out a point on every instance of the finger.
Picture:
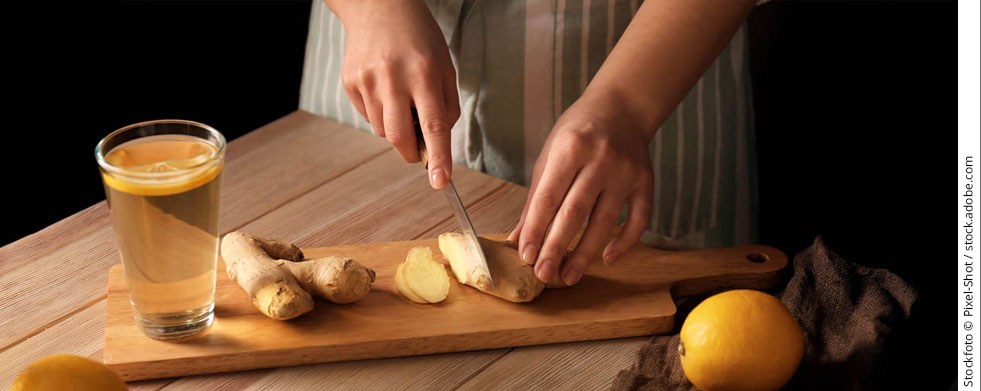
(556, 178)
(354, 95)
(373, 108)
(515, 235)
(359, 87)
(568, 221)
(637, 222)
(399, 130)
(436, 133)
(451, 97)
(599, 231)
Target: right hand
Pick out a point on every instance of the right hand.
(396, 58)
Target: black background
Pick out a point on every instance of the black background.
(855, 107)
(74, 71)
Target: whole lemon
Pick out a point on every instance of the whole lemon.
(740, 340)
(67, 372)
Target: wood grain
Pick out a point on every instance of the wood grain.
(568, 366)
(629, 299)
(82, 333)
(496, 212)
(431, 372)
(364, 206)
(298, 155)
(73, 229)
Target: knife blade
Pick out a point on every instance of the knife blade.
(459, 211)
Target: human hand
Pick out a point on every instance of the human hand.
(396, 58)
(595, 160)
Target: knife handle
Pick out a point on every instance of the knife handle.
(420, 141)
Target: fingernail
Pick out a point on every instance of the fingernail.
(438, 178)
(613, 256)
(530, 254)
(545, 271)
(571, 275)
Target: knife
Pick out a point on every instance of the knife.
(483, 276)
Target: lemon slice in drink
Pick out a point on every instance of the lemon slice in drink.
(149, 172)
(161, 187)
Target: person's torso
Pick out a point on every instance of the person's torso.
(520, 64)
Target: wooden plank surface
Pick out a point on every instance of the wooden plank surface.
(433, 372)
(273, 180)
(569, 366)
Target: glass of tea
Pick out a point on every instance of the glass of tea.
(162, 180)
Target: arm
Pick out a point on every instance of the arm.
(596, 157)
(678, 40)
(395, 58)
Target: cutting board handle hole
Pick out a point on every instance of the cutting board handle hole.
(757, 257)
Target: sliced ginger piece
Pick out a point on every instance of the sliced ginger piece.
(513, 280)
(425, 277)
(401, 286)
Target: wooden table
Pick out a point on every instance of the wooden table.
(317, 183)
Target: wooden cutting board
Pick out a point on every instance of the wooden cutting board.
(631, 298)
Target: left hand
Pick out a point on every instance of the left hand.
(595, 160)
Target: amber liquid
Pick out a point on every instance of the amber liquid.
(167, 227)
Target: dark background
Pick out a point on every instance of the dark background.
(856, 111)
(855, 107)
(74, 71)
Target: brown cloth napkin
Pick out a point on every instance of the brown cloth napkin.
(846, 311)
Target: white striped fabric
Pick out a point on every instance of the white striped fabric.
(521, 63)
(321, 91)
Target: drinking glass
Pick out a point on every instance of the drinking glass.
(162, 180)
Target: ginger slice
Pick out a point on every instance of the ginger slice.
(423, 276)
(403, 288)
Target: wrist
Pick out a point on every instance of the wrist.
(644, 117)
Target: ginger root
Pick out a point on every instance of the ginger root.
(513, 280)
(421, 279)
(280, 282)
(340, 280)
